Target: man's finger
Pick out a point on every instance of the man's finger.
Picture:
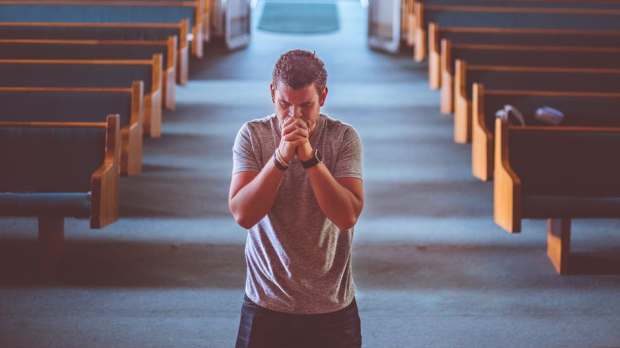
(302, 122)
(289, 129)
(292, 138)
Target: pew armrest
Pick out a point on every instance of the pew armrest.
(462, 104)
(506, 184)
(482, 138)
(104, 181)
(420, 33)
(434, 59)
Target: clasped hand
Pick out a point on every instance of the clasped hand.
(295, 139)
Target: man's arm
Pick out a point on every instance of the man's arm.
(252, 194)
(341, 200)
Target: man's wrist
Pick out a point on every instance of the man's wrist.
(305, 153)
(313, 161)
(279, 161)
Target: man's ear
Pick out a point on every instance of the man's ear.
(273, 92)
(323, 96)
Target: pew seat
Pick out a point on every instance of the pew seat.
(518, 55)
(593, 109)
(49, 104)
(100, 49)
(54, 170)
(555, 173)
(92, 73)
(534, 78)
(441, 38)
(130, 11)
(106, 31)
(526, 14)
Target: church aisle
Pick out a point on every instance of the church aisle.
(432, 269)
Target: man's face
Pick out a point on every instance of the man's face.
(304, 103)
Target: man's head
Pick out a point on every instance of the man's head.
(299, 86)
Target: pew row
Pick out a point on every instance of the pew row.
(558, 174)
(107, 31)
(518, 55)
(99, 49)
(92, 73)
(539, 16)
(101, 11)
(439, 52)
(536, 78)
(592, 109)
(49, 104)
(59, 169)
(202, 6)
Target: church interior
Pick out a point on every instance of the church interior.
(491, 166)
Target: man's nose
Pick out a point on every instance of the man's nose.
(294, 111)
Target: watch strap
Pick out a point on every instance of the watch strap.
(313, 161)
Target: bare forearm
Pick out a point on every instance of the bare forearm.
(339, 204)
(255, 199)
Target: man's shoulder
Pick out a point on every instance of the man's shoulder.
(333, 125)
(259, 125)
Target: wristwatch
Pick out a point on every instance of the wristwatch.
(313, 161)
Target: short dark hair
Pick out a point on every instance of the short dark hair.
(299, 68)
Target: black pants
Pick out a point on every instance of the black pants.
(263, 328)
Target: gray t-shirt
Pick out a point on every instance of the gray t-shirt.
(298, 261)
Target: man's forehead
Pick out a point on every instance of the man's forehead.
(287, 93)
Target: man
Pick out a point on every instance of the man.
(297, 188)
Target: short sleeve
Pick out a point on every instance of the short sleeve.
(244, 158)
(349, 163)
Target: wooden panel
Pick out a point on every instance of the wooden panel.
(434, 63)
(558, 244)
(153, 101)
(482, 138)
(506, 185)
(420, 34)
(446, 81)
(131, 158)
(104, 181)
(462, 105)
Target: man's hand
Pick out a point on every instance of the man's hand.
(295, 135)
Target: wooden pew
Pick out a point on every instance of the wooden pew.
(99, 49)
(539, 15)
(129, 11)
(92, 73)
(107, 31)
(558, 174)
(518, 55)
(521, 77)
(203, 6)
(49, 104)
(55, 170)
(442, 38)
(408, 22)
(581, 108)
